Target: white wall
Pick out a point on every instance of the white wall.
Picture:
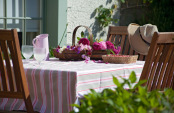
(80, 12)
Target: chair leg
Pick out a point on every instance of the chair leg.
(28, 105)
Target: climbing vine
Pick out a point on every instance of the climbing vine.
(104, 16)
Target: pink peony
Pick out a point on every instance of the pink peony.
(103, 45)
(84, 41)
(96, 46)
(84, 47)
(116, 51)
(110, 45)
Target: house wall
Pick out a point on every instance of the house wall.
(81, 12)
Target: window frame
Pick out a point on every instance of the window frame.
(23, 18)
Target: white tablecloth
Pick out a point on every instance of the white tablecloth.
(54, 84)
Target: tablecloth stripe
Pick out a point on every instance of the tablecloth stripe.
(13, 104)
(59, 79)
(43, 92)
(41, 97)
(35, 88)
(69, 92)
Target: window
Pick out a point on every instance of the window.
(24, 15)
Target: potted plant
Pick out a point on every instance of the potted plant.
(135, 100)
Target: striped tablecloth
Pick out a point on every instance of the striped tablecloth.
(55, 85)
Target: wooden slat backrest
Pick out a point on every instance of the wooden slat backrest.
(159, 65)
(13, 82)
(119, 36)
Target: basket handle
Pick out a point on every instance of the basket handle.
(74, 35)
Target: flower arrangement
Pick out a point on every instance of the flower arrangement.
(86, 48)
(84, 45)
(83, 48)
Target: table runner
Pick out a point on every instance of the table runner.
(54, 85)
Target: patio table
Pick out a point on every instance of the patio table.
(55, 85)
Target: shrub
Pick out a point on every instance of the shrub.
(135, 100)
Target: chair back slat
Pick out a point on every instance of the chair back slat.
(119, 36)
(150, 76)
(8, 65)
(141, 57)
(131, 51)
(122, 43)
(126, 47)
(13, 81)
(117, 39)
(159, 65)
(15, 65)
(169, 71)
(164, 62)
(111, 39)
(3, 73)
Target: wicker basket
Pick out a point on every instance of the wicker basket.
(72, 54)
(97, 54)
(59, 55)
(120, 59)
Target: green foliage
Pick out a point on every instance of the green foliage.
(51, 52)
(22, 56)
(82, 36)
(123, 1)
(105, 16)
(160, 13)
(120, 100)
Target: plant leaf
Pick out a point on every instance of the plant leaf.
(78, 38)
(141, 110)
(112, 51)
(142, 90)
(139, 83)
(116, 82)
(82, 34)
(132, 77)
(75, 105)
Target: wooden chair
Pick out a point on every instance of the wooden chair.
(159, 65)
(13, 82)
(119, 36)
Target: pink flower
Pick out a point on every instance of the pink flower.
(96, 46)
(116, 51)
(84, 47)
(84, 41)
(110, 45)
(103, 45)
(87, 58)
